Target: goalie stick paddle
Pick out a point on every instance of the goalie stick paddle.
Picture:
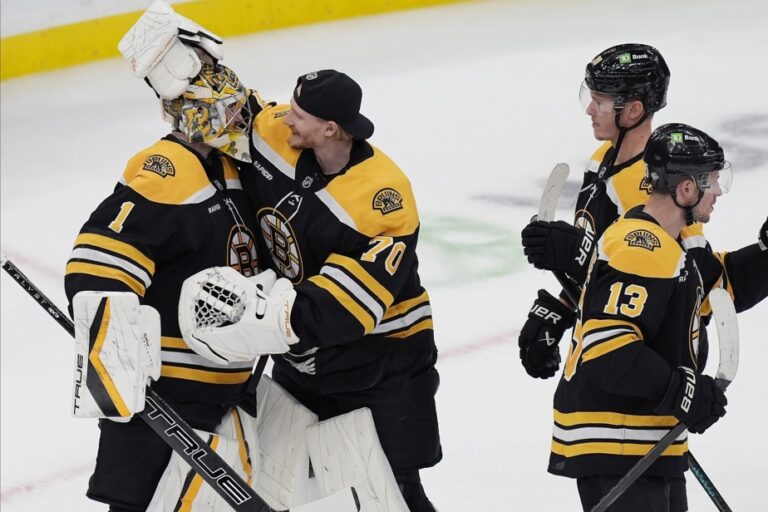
(184, 440)
(547, 207)
(724, 314)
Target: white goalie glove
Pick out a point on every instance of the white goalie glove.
(159, 48)
(226, 317)
(117, 353)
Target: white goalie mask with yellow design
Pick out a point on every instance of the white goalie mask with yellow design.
(213, 110)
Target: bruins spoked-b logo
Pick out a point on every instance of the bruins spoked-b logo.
(281, 243)
(159, 164)
(241, 251)
(387, 200)
(643, 238)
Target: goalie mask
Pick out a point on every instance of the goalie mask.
(213, 110)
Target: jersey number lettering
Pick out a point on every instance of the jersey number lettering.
(631, 307)
(117, 224)
(381, 244)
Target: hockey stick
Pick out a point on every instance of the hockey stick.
(724, 314)
(547, 206)
(177, 433)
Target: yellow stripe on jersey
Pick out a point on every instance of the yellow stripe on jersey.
(168, 173)
(572, 419)
(377, 196)
(604, 323)
(599, 154)
(418, 327)
(210, 377)
(188, 499)
(76, 267)
(93, 357)
(607, 346)
(606, 448)
(118, 247)
(245, 458)
(353, 267)
(406, 305)
(626, 187)
(172, 342)
(642, 248)
(342, 297)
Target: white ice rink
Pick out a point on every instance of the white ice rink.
(476, 102)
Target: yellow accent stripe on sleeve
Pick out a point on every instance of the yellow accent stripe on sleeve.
(245, 460)
(343, 298)
(630, 449)
(210, 377)
(118, 247)
(572, 419)
(607, 346)
(594, 324)
(194, 487)
(421, 326)
(357, 270)
(406, 305)
(78, 267)
(103, 374)
(172, 342)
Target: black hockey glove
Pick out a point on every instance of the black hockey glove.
(547, 321)
(559, 247)
(694, 399)
(762, 238)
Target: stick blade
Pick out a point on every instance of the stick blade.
(551, 193)
(724, 316)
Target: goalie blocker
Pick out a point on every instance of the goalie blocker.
(117, 354)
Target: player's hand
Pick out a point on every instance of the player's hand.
(558, 246)
(694, 399)
(547, 321)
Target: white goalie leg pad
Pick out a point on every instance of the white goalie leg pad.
(180, 488)
(345, 451)
(155, 47)
(117, 353)
(283, 479)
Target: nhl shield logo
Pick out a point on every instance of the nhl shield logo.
(160, 165)
(387, 200)
(644, 239)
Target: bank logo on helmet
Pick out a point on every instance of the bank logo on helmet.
(281, 243)
(241, 251)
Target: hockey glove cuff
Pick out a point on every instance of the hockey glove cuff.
(547, 321)
(694, 399)
(559, 247)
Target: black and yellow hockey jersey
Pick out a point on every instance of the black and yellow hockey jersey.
(172, 214)
(609, 192)
(348, 244)
(639, 319)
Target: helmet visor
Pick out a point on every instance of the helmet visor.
(601, 103)
(716, 181)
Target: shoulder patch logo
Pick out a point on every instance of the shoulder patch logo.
(159, 164)
(387, 200)
(644, 239)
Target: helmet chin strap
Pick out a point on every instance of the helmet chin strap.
(623, 133)
(688, 210)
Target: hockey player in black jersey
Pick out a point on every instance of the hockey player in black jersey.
(630, 374)
(179, 207)
(623, 87)
(339, 223)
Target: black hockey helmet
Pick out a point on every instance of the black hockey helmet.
(676, 151)
(630, 71)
